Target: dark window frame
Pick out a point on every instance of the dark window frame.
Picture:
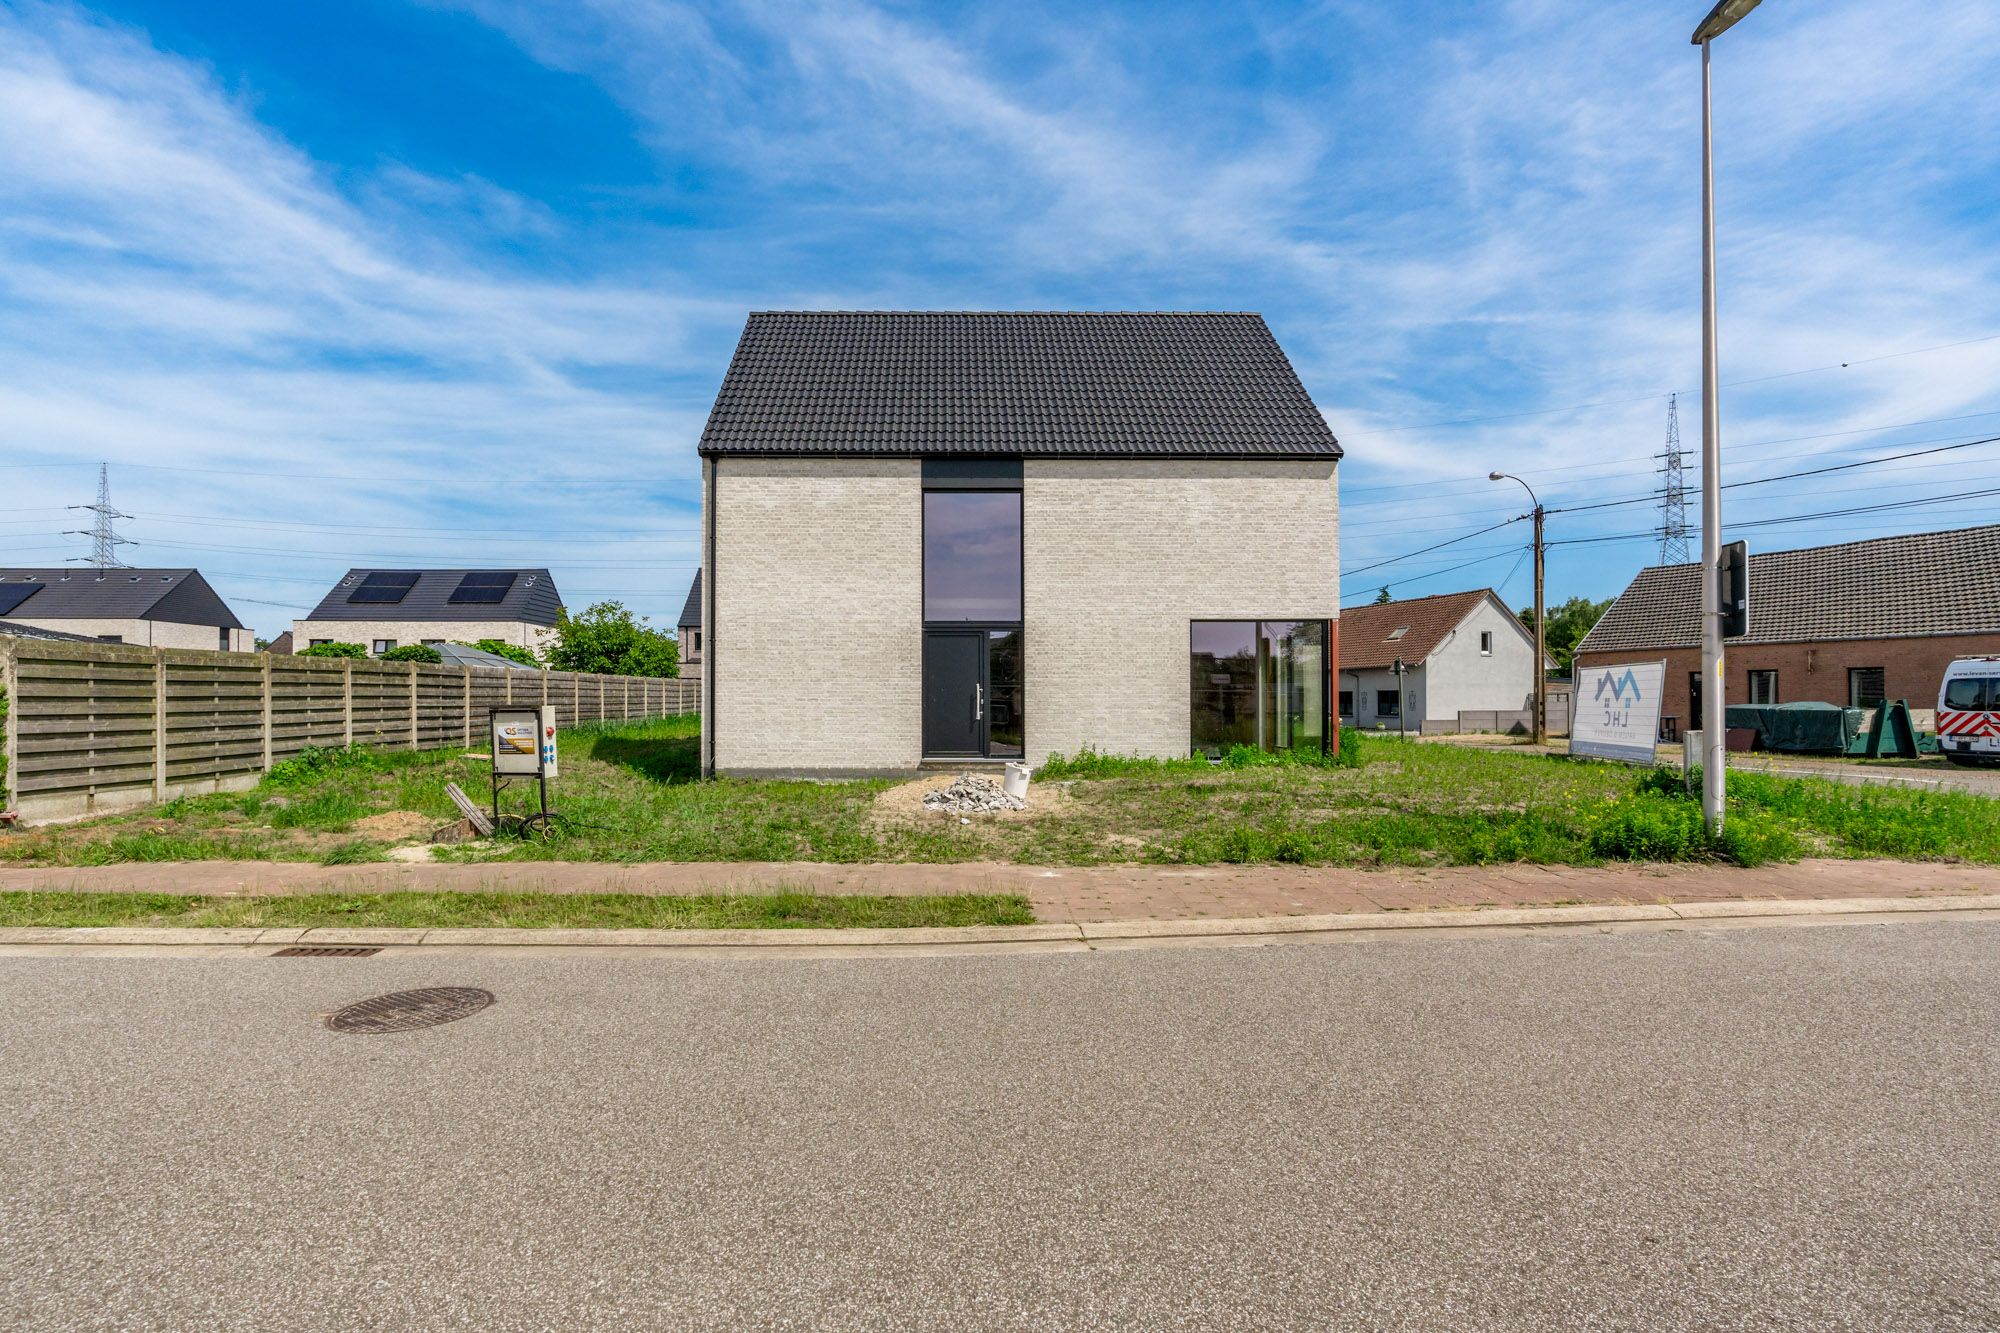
(1750, 676)
(1881, 674)
(959, 476)
(1328, 695)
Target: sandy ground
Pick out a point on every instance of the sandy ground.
(903, 805)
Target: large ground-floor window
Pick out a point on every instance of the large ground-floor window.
(1260, 683)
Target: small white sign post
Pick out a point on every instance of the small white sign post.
(1615, 712)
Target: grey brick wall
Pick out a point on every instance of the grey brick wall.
(816, 615)
(1121, 555)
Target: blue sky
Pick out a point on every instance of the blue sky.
(454, 282)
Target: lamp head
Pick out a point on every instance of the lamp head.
(1496, 476)
(1721, 19)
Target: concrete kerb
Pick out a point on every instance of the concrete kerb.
(971, 939)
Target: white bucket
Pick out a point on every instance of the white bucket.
(1015, 783)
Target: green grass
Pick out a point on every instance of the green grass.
(603, 911)
(629, 792)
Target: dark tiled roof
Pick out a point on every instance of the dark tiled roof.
(1365, 644)
(1924, 584)
(19, 631)
(178, 596)
(531, 598)
(1046, 384)
(281, 646)
(691, 609)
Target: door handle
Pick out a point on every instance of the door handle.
(978, 702)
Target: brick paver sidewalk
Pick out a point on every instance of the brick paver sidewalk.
(1095, 893)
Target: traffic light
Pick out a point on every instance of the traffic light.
(1732, 581)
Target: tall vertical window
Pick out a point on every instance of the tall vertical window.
(1763, 687)
(1260, 683)
(1864, 687)
(972, 555)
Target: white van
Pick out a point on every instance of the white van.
(1968, 711)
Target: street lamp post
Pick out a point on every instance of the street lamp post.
(1714, 681)
(1541, 717)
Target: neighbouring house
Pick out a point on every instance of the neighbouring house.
(381, 609)
(155, 608)
(688, 631)
(13, 629)
(1469, 664)
(974, 536)
(1853, 624)
(281, 646)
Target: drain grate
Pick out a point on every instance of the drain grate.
(407, 1010)
(326, 951)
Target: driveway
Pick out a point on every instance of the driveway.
(1786, 1126)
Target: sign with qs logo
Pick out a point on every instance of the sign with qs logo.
(1616, 714)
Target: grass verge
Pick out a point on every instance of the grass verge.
(595, 911)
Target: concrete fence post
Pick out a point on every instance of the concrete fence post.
(159, 724)
(11, 747)
(415, 742)
(467, 691)
(347, 701)
(266, 674)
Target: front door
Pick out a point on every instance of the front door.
(954, 693)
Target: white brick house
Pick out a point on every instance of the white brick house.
(156, 608)
(383, 609)
(1462, 652)
(970, 537)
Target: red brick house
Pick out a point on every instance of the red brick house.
(1851, 624)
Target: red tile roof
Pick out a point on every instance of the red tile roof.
(1365, 642)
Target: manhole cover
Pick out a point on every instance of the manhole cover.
(406, 1010)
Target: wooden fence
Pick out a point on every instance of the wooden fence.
(96, 727)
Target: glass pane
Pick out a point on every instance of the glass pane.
(1294, 659)
(972, 555)
(1967, 693)
(1224, 676)
(1005, 730)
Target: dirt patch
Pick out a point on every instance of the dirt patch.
(396, 825)
(903, 805)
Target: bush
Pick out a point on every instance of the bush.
(315, 760)
(1090, 762)
(1650, 828)
(513, 652)
(609, 640)
(414, 652)
(335, 650)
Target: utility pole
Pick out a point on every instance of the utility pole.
(1714, 678)
(1540, 705)
(104, 539)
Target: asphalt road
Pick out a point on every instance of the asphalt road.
(1752, 1128)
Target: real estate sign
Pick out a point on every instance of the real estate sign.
(1616, 712)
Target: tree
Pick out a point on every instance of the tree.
(513, 652)
(1568, 623)
(1383, 596)
(609, 640)
(260, 645)
(414, 652)
(335, 650)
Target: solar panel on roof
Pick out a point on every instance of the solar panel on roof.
(385, 586)
(13, 594)
(483, 586)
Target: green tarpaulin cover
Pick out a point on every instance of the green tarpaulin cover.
(1803, 728)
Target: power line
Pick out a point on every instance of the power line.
(1805, 518)
(1397, 559)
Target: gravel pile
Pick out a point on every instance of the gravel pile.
(970, 794)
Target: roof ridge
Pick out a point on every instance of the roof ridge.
(1837, 546)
